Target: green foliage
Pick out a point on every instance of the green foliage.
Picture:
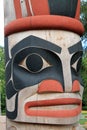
(84, 78)
(2, 79)
(84, 15)
(84, 60)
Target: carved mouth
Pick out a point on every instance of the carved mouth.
(64, 107)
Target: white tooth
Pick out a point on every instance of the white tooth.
(57, 107)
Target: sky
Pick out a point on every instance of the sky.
(1, 24)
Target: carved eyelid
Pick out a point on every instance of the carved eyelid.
(76, 56)
(75, 59)
(45, 63)
(76, 63)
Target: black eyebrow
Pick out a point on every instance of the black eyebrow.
(76, 47)
(33, 41)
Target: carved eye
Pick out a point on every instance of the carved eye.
(34, 63)
(76, 60)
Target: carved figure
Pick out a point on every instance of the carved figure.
(43, 59)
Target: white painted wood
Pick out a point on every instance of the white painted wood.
(2, 122)
(9, 11)
(23, 8)
(18, 126)
(64, 39)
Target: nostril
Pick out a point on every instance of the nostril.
(50, 86)
(76, 86)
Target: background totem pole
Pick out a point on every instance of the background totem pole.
(43, 57)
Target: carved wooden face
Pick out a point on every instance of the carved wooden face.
(42, 75)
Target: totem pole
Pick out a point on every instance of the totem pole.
(43, 57)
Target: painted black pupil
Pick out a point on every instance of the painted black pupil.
(34, 62)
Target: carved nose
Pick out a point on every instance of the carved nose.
(50, 86)
(76, 86)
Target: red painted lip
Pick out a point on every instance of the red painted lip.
(54, 113)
